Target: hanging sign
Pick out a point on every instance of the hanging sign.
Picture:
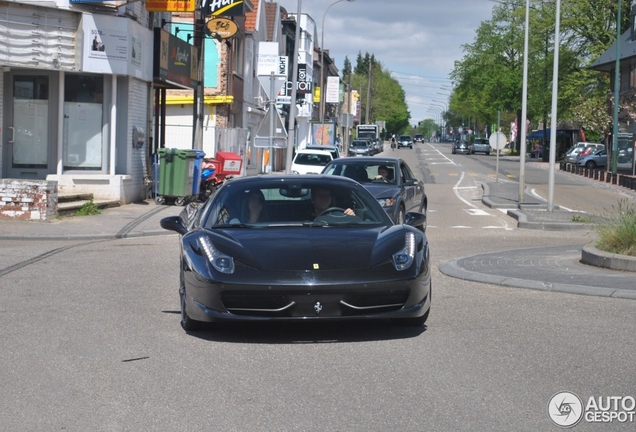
(223, 27)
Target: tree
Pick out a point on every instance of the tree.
(489, 76)
(387, 99)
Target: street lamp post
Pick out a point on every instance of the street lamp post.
(553, 120)
(524, 110)
(322, 64)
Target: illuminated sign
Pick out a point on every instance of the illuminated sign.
(171, 5)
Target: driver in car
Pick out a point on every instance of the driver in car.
(322, 200)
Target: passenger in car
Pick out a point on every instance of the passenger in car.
(383, 173)
(256, 206)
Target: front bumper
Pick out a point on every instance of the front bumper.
(212, 302)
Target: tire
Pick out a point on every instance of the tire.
(187, 323)
(487, 153)
(590, 164)
(181, 201)
(160, 200)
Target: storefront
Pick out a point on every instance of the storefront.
(75, 87)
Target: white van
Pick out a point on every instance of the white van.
(573, 152)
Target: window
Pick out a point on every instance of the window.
(237, 56)
(83, 111)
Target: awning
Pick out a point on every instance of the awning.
(539, 134)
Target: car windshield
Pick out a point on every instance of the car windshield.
(405, 137)
(359, 144)
(312, 159)
(364, 172)
(286, 203)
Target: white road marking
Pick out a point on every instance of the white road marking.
(477, 212)
(535, 194)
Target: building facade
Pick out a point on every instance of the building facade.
(75, 86)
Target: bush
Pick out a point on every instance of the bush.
(617, 230)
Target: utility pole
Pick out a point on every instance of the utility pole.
(617, 81)
(291, 141)
(366, 115)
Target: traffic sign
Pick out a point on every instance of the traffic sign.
(265, 131)
(266, 83)
(497, 140)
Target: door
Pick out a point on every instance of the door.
(27, 135)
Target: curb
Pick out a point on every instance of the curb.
(451, 269)
(515, 210)
(522, 222)
(598, 258)
(62, 237)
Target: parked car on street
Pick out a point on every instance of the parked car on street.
(405, 141)
(573, 152)
(596, 159)
(480, 145)
(325, 250)
(390, 180)
(460, 146)
(360, 148)
(310, 161)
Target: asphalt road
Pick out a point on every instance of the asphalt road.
(91, 340)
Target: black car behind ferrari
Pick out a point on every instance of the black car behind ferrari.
(320, 248)
(398, 192)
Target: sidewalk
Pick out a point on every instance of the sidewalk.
(130, 220)
(533, 213)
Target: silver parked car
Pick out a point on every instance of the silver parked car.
(573, 153)
(480, 145)
(597, 159)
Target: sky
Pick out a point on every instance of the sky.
(417, 40)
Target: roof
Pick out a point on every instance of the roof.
(607, 60)
(271, 16)
(251, 17)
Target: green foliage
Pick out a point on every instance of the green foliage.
(617, 230)
(489, 77)
(89, 208)
(387, 99)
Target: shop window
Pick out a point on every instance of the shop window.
(83, 118)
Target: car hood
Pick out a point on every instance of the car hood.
(304, 248)
(381, 190)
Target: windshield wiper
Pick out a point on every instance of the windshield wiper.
(233, 225)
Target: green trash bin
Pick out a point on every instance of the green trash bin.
(176, 172)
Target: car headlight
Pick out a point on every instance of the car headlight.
(387, 202)
(404, 258)
(220, 261)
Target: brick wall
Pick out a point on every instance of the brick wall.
(34, 200)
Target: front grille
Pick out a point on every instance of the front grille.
(254, 301)
(303, 303)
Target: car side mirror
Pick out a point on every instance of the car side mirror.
(173, 223)
(415, 219)
(410, 182)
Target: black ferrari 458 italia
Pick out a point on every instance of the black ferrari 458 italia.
(314, 247)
